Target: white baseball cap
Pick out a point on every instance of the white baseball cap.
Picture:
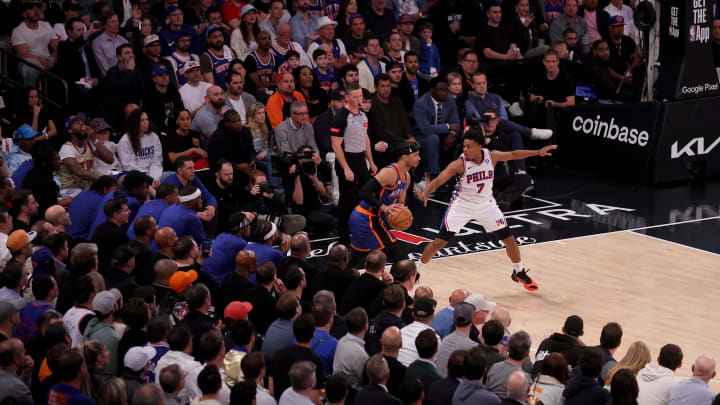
(480, 303)
(190, 65)
(150, 39)
(138, 356)
(325, 20)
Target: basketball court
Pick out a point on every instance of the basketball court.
(645, 257)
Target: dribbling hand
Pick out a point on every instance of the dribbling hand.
(391, 209)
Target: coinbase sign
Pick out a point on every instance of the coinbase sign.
(610, 130)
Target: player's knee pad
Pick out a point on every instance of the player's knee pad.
(503, 233)
(445, 235)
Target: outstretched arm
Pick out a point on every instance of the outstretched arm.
(455, 168)
(498, 156)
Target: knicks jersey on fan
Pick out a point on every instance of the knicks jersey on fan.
(264, 69)
(473, 197)
(370, 231)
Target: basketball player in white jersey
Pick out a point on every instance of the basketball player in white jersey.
(473, 199)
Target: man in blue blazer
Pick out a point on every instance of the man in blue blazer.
(435, 119)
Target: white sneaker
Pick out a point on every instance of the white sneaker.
(540, 134)
(421, 185)
(515, 110)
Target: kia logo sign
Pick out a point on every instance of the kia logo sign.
(695, 147)
(610, 130)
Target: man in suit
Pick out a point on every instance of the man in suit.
(424, 367)
(76, 62)
(441, 391)
(376, 392)
(436, 119)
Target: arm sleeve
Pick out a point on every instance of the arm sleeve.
(156, 166)
(502, 112)
(310, 137)
(126, 156)
(66, 151)
(556, 31)
(208, 198)
(304, 57)
(273, 109)
(281, 139)
(470, 110)
(339, 123)
(196, 230)
(367, 193)
(422, 120)
(453, 112)
(100, 57)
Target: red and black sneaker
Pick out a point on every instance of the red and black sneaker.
(525, 280)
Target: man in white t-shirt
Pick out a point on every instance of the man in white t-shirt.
(32, 40)
(235, 98)
(78, 155)
(423, 313)
(194, 91)
(616, 7)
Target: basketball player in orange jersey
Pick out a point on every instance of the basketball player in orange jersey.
(381, 196)
(473, 199)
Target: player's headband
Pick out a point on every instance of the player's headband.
(407, 149)
(190, 197)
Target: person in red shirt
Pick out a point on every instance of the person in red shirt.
(231, 12)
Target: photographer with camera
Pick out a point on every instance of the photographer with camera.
(308, 191)
(268, 203)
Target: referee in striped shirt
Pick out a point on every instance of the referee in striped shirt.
(351, 146)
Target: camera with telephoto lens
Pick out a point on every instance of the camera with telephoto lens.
(305, 168)
(284, 161)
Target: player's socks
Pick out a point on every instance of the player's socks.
(418, 265)
(518, 267)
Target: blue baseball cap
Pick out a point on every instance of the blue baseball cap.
(70, 120)
(210, 29)
(159, 69)
(25, 132)
(616, 21)
(355, 16)
(41, 260)
(406, 18)
(172, 8)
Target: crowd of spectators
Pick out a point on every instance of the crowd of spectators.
(155, 230)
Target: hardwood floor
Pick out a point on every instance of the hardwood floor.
(658, 291)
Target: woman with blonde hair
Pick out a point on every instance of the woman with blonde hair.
(96, 357)
(256, 123)
(455, 90)
(112, 392)
(637, 356)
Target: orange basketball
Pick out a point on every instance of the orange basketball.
(401, 219)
